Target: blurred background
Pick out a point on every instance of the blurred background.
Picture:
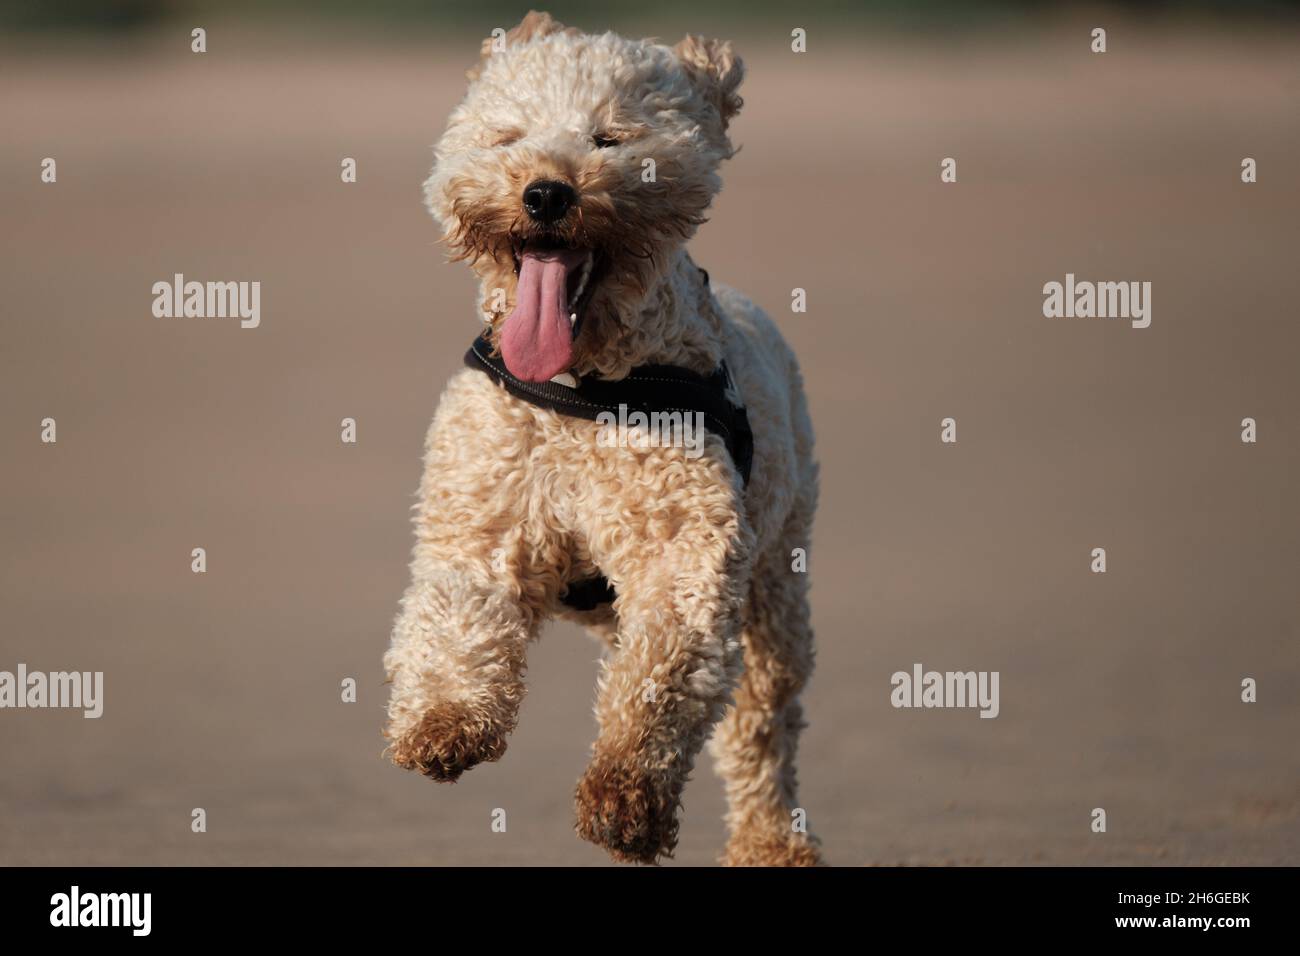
(222, 690)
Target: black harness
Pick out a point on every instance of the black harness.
(648, 389)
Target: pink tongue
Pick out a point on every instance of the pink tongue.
(536, 340)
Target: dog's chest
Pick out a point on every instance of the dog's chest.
(553, 474)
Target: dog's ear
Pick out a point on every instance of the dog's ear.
(533, 24)
(715, 68)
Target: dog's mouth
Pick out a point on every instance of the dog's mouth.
(555, 285)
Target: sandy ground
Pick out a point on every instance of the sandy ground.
(222, 690)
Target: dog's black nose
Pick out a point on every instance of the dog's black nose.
(547, 200)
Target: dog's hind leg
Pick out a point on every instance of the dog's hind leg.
(754, 747)
(456, 664)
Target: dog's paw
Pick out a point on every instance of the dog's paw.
(446, 742)
(772, 851)
(629, 811)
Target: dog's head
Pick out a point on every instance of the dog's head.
(574, 169)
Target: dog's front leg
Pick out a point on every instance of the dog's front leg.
(665, 687)
(456, 664)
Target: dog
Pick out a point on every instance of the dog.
(570, 179)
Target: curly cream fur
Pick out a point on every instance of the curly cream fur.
(516, 502)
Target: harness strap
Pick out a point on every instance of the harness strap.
(647, 388)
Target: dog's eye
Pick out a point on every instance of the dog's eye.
(506, 137)
(601, 141)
